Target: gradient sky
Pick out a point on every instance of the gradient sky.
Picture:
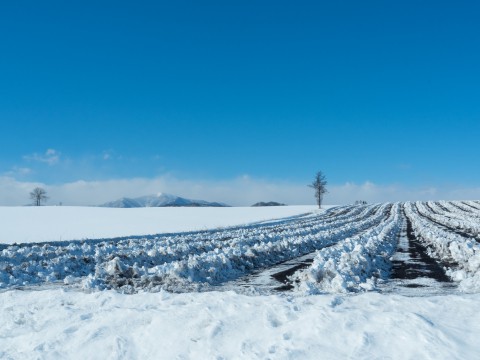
(370, 92)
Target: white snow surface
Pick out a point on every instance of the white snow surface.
(60, 223)
(64, 324)
(56, 299)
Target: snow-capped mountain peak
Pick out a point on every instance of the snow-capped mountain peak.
(159, 200)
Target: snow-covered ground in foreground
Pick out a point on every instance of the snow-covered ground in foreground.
(59, 223)
(55, 302)
(61, 324)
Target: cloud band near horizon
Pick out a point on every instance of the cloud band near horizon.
(240, 191)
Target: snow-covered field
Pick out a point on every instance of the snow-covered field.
(397, 281)
(59, 223)
(65, 324)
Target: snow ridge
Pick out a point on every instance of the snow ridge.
(463, 253)
(355, 263)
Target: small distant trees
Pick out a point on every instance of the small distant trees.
(320, 185)
(38, 196)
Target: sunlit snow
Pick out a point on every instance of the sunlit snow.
(393, 280)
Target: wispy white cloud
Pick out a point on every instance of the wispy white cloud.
(19, 171)
(50, 157)
(241, 191)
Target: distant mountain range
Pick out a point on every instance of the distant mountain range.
(160, 200)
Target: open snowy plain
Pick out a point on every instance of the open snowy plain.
(57, 223)
(394, 280)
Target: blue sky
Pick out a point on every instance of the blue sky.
(377, 94)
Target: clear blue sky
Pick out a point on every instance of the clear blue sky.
(381, 91)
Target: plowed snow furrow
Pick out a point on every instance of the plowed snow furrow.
(40, 263)
(389, 247)
(442, 208)
(79, 257)
(414, 271)
(276, 278)
(461, 211)
(225, 263)
(452, 222)
(462, 253)
(355, 263)
(473, 205)
(182, 247)
(457, 207)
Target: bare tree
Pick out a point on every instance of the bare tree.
(38, 196)
(320, 186)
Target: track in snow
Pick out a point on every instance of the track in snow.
(414, 271)
(272, 279)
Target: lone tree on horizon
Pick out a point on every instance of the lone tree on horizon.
(320, 186)
(38, 196)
